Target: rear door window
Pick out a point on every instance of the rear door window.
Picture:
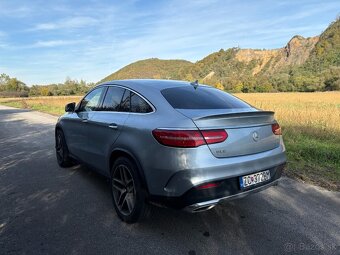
(113, 99)
(122, 100)
(125, 104)
(203, 97)
(138, 104)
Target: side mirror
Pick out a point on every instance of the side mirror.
(70, 107)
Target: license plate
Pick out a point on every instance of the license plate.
(253, 179)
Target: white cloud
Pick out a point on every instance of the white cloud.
(53, 43)
(76, 22)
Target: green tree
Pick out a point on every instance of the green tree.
(332, 84)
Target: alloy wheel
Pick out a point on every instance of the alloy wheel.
(123, 189)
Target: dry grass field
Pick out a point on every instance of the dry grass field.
(54, 105)
(315, 113)
(310, 122)
(311, 131)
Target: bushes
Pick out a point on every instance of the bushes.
(12, 87)
(14, 94)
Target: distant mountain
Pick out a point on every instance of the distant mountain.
(152, 68)
(304, 64)
(326, 52)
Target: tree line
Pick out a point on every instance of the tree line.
(12, 87)
(296, 79)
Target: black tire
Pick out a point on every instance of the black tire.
(61, 149)
(128, 195)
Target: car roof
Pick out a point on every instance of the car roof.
(147, 84)
(151, 89)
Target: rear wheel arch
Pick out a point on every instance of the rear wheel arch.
(117, 153)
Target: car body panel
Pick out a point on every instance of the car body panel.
(77, 141)
(248, 132)
(169, 171)
(209, 169)
(103, 130)
(192, 166)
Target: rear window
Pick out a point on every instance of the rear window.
(201, 98)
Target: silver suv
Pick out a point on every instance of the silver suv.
(174, 143)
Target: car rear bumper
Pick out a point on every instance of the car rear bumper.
(206, 205)
(195, 200)
(210, 169)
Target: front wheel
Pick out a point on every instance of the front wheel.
(62, 150)
(129, 198)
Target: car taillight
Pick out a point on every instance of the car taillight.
(208, 185)
(276, 129)
(189, 138)
(214, 136)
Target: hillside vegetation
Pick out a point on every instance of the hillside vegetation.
(304, 64)
(151, 68)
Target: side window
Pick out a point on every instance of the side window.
(125, 104)
(112, 99)
(138, 104)
(92, 100)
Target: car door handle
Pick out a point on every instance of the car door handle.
(84, 120)
(113, 126)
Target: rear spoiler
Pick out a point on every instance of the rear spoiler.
(255, 114)
(235, 120)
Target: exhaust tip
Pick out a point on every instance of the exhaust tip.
(197, 208)
(204, 208)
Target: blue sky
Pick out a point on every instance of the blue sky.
(43, 42)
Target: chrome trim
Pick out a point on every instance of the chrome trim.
(222, 127)
(206, 205)
(184, 128)
(137, 93)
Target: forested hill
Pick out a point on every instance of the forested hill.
(150, 68)
(303, 64)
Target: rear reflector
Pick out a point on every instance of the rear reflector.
(209, 185)
(189, 138)
(276, 129)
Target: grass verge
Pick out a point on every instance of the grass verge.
(313, 160)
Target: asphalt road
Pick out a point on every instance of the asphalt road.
(45, 209)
